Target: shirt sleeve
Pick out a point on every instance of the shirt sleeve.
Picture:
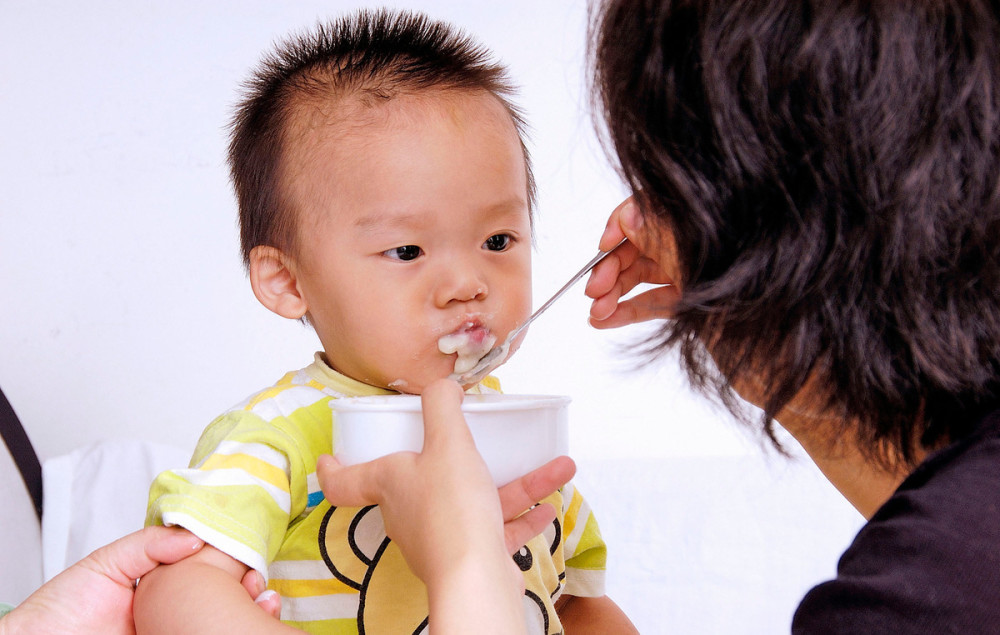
(584, 548)
(238, 494)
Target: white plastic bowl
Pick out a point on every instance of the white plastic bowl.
(514, 433)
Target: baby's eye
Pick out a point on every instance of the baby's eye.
(405, 253)
(498, 242)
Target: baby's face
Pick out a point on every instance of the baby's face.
(412, 225)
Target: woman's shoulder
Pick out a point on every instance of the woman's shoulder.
(929, 559)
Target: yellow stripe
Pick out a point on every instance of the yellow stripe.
(269, 393)
(251, 465)
(341, 627)
(569, 521)
(591, 552)
(312, 383)
(308, 588)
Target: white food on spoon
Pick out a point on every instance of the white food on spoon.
(493, 358)
(470, 343)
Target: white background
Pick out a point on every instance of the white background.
(126, 312)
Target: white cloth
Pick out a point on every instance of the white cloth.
(97, 494)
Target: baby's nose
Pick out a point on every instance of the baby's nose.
(461, 284)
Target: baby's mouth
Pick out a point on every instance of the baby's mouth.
(471, 341)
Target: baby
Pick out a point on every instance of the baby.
(384, 193)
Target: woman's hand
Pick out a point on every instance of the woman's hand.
(441, 508)
(520, 526)
(649, 257)
(95, 594)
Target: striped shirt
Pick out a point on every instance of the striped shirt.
(251, 491)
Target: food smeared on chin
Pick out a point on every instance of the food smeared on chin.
(470, 342)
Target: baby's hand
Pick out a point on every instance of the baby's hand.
(649, 257)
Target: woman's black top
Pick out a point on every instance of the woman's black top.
(929, 560)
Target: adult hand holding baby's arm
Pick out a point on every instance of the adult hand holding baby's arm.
(442, 509)
(95, 594)
(649, 257)
(208, 592)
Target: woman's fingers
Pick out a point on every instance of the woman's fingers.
(615, 230)
(610, 285)
(450, 461)
(657, 303)
(367, 483)
(520, 526)
(519, 531)
(521, 494)
(444, 422)
(354, 485)
(648, 258)
(138, 553)
(607, 275)
(266, 599)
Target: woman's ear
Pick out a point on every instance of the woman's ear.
(272, 277)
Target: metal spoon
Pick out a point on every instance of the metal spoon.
(498, 354)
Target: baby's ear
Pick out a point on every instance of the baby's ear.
(272, 276)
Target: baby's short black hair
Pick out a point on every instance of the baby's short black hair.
(373, 56)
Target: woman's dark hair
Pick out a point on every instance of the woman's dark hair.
(830, 171)
(368, 56)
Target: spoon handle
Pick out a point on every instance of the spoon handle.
(601, 255)
(498, 354)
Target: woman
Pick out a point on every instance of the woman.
(817, 206)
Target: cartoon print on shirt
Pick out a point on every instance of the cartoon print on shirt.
(367, 560)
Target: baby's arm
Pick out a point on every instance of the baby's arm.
(201, 594)
(592, 615)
